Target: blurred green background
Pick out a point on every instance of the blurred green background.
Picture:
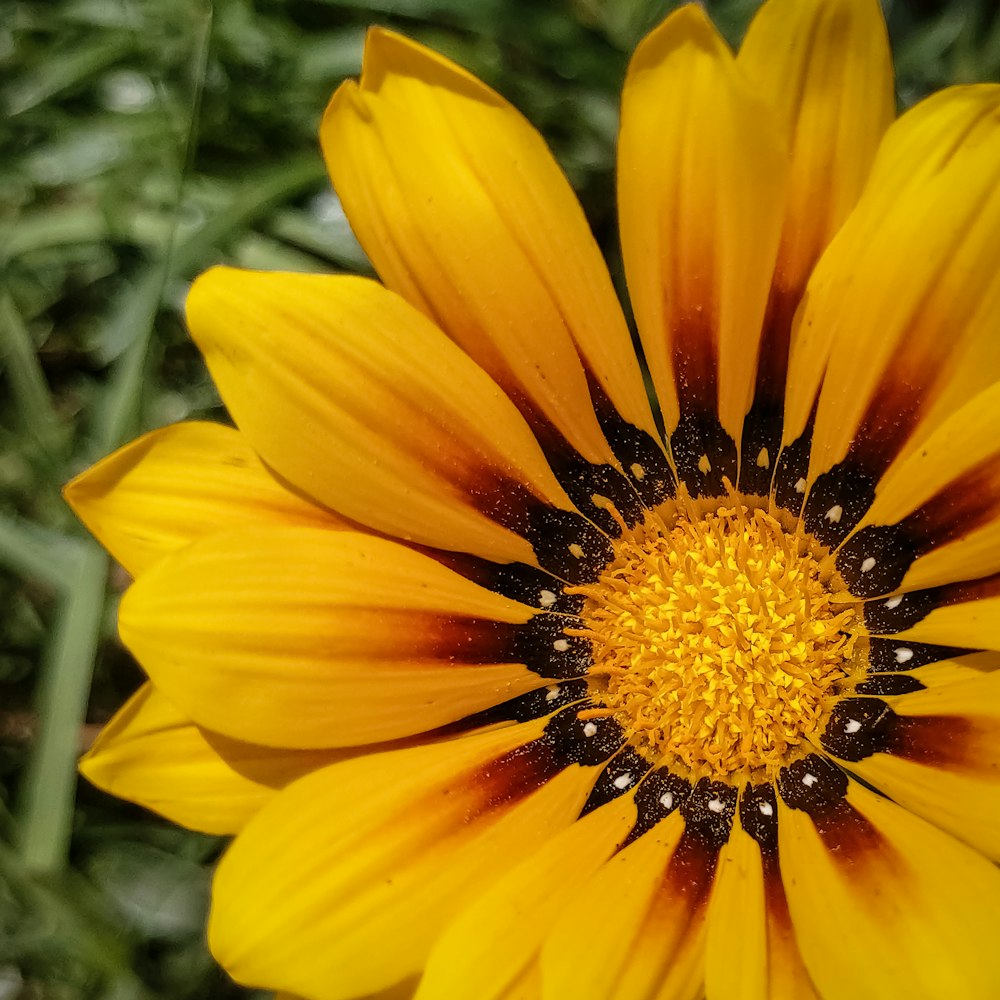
(141, 141)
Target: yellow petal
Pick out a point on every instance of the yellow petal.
(493, 941)
(940, 757)
(177, 484)
(649, 904)
(825, 69)
(964, 614)
(302, 638)
(899, 318)
(736, 951)
(152, 754)
(885, 905)
(463, 210)
(342, 885)
(701, 181)
(359, 401)
(939, 504)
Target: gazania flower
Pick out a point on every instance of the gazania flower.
(513, 684)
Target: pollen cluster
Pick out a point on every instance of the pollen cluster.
(717, 646)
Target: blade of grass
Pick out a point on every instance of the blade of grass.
(48, 795)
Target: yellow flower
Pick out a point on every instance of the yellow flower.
(509, 695)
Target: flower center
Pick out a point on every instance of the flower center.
(717, 646)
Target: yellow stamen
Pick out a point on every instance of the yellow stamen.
(717, 646)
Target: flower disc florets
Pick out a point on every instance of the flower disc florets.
(717, 645)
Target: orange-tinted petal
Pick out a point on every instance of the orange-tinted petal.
(701, 192)
(361, 402)
(464, 211)
(885, 905)
(899, 315)
(295, 637)
(342, 885)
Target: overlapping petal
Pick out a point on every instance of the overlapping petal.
(914, 910)
(304, 638)
(900, 339)
(153, 754)
(701, 194)
(377, 855)
(375, 413)
(180, 483)
(464, 211)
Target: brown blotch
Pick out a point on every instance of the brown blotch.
(512, 776)
(944, 741)
(968, 503)
(691, 870)
(851, 838)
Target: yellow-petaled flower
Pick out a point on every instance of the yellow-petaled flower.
(512, 684)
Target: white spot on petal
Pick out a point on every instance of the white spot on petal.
(638, 471)
(809, 780)
(667, 800)
(622, 781)
(590, 729)
(766, 809)
(853, 726)
(868, 565)
(903, 653)
(894, 602)
(763, 459)
(704, 465)
(546, 598)
(800, 486)
(716, 805)
(551, 693)
(576, 551)
(561, 645)
(834, 514)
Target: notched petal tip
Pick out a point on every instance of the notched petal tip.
(390, 55)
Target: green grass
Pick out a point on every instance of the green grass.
(142, 141)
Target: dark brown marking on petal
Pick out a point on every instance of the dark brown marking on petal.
(642, 458)
(543, 646)
(518, 581)
(759, 449)
(965, 504)
(514, 775)
(533, 705)
(566, 544)
(580, 478)
(775, 897)
(759, 816)
(692, 867)
(708, 813)
(659, 794)
(890, 685)
(703, 453)
(859, 727)
(893, 413)
(812, 784)
(944, 741)
(623, 772)
(837, 500)
(961, 507)
(877, 558)
(885, 655)
(904, 611)
(583, 741)
(850, 837)
(818, 787)
(790, 477)
(765, 421)
(898, 613)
